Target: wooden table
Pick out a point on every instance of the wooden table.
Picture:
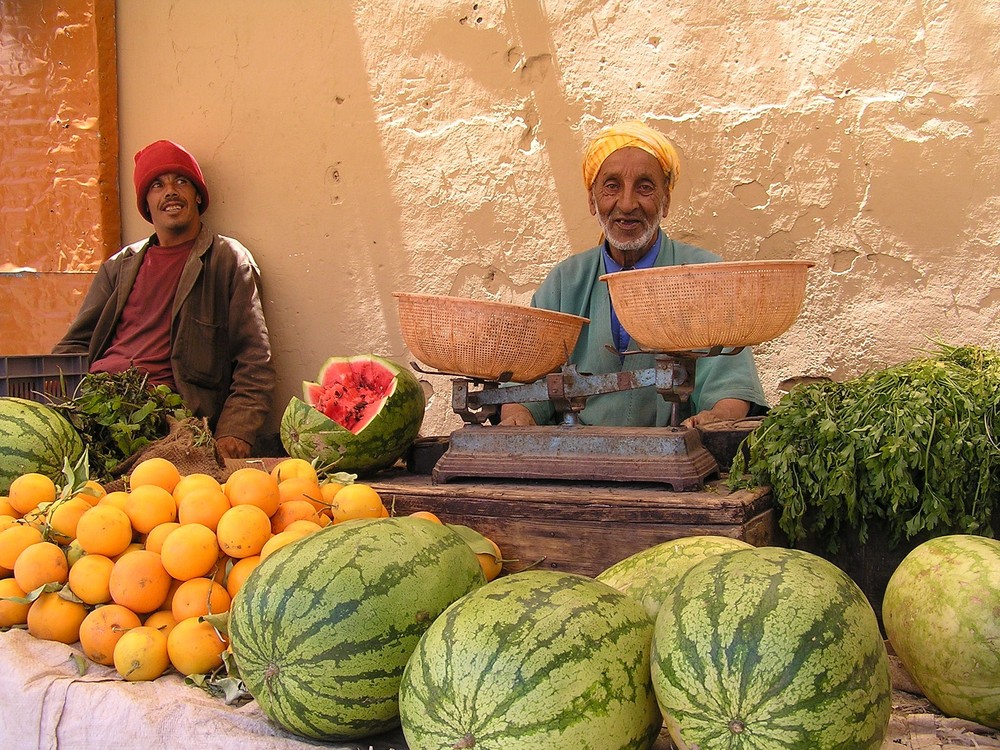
(581, 527)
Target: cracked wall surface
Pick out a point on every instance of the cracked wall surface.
(365, 148)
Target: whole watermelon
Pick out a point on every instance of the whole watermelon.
(34, 438)
(941, 612)
(648, 575)
(538, 659)
(770, 649)
(322, 629)
(360, 417)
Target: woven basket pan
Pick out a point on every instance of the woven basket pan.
(484, 339)
(680, 308)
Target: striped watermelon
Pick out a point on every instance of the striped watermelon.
(648, 576)
(34, 438)
(942, 615)
(322, 629)
(360, 417)
(538, 659)
(770, 649)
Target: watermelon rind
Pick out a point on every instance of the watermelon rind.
(648, 575)
(322, 629)
(34, 438)
(536, 659)
(770, 649)
(309, 434)
(941, 612)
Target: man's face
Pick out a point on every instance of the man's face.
(173, 204)
(630, 198)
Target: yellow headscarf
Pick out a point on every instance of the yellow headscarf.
(635, 134)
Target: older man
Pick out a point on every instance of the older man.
(183, 306)
(629, 171)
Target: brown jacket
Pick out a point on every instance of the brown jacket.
(221, 354)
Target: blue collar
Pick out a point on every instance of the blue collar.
(619, 334)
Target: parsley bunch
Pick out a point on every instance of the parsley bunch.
(912, 448)
(118, 414)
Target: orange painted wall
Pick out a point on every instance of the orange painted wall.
(59, 213)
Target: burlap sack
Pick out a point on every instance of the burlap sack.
(188, 445)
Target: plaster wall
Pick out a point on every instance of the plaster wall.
(362, 148)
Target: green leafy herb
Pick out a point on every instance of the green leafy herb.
(119, 414)
(911, 447)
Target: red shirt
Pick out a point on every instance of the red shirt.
(142, 336)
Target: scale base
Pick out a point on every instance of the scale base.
(673, 456)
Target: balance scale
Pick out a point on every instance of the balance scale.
(679, 314)
(571, 450)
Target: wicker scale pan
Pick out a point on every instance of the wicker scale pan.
(680, 313)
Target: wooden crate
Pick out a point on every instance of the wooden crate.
(581, 527)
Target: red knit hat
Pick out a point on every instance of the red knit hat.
(162, 157)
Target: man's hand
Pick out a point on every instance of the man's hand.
(724, 409)
(233, 447)
(515, 415)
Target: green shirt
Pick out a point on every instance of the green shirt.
(573, 286)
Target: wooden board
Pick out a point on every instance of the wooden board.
(581, 527)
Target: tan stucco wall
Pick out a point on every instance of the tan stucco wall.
(368, 147)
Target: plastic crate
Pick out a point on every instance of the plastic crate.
(45, 378)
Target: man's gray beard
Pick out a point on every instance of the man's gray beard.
(633, 245)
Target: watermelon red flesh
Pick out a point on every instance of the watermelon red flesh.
(537, 659)
(942, 616)
(351, 391)
(389, 428)
(322, 629)
(770, 649)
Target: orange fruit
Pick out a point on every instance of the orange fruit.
(53, 618)
(14, 540)
(92, 492)
(302, 488)
(292, 510)
(491, 564)
(103, 530)
(162, 619)
(101, 630)
(425, 514)
(154, 539)
(195, 647)
(139, 581)
(243, 530)
(28, 491)
(90, 579)
(239, 572)
(304, 526)
(250, 486)
(357, 501)
(294, 468)
(65, 516)
(149, 505)
(6, 509)
(196, 481)
(203, 505)
(141, 654)
(190, 551)
(131, 548)
(116, 498)
(39, 564)
(12, 613)
(199, 596)
(157, 471)
(278, 541)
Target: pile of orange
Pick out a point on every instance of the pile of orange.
(132, 574)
